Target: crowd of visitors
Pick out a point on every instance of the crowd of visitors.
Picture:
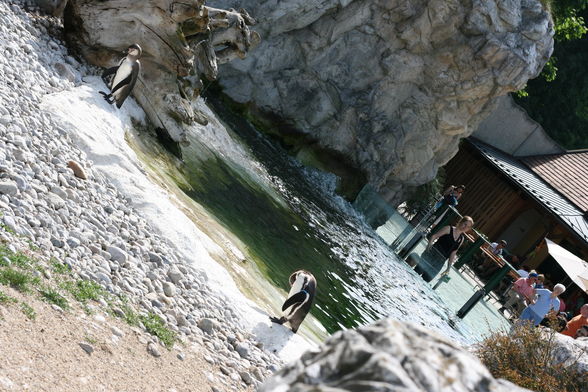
(530, 298)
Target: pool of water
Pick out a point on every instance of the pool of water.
(283, 217)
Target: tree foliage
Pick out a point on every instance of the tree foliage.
(558, 100)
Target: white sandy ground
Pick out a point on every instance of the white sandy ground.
(99, 130)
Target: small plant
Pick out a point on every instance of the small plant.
(129, 315)
(84, 290)
(33, 246)
(526, 357)
(28, 310)
(87, 310)
(17, 259)
(156, 326)
(52, 296)
(90, 339)
(6, 299)
(6, 228)
(59, 267)
(21, 281)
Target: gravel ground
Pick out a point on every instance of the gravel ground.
(60, 212)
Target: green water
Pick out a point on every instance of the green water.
(287, 217)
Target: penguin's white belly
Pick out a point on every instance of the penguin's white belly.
(296, 288)
(122, 72)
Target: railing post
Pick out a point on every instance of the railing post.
(469, 252)
(478, 295)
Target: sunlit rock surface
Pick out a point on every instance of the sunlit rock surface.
(387, 356)
(180, 40)
(388, 86)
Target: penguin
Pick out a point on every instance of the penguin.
(125, 75)
(299, 301)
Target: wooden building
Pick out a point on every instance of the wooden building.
(524, 200)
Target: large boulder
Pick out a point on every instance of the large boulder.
(571, 352)
(387, 356)
(386, 88)
(181, 42)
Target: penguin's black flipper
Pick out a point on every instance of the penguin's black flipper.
(297, 298)
(106, 75)
(276, 320)
(121, 84)
(109, 71)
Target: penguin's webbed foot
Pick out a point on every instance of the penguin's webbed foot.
(276, 320)
(107, 97)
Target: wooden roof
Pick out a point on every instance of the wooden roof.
(536, 187)
(567, 173)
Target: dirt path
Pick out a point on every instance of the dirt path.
(44, 354)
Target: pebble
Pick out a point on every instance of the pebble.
(169, 289)
(87, 347)
(8, 188)
(243, 350)
(116, 331)
(207, 325)
(49, 192)
(153, 349)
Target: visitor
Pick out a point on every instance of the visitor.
(451, 196)
(497, 247)
(488, 265)
(524, 271)
(540, 282)
(575, 323)
(443, 245)
(522, 292)
(546, 301)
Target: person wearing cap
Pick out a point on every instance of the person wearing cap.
(522, 291)
(546, 301)
(489, 265)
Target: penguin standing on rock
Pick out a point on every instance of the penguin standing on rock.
(125, 76)
(299, 301)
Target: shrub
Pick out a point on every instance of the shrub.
(6, 299)
(525, 357)
(19, 259)
(17, 279)
(84, 290)
(156, 326)
(52, 296)
(58, 267)
(28, 310)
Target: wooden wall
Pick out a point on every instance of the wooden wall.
(489, 198)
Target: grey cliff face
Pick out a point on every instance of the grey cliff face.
(389, 85)
(387, 356)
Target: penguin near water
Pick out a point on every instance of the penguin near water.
(125, 76)
(299, 301)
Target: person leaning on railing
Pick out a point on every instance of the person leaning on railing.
(446, 242)
(522, 291)
(546, 301)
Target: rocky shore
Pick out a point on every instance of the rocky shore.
(53, 201)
